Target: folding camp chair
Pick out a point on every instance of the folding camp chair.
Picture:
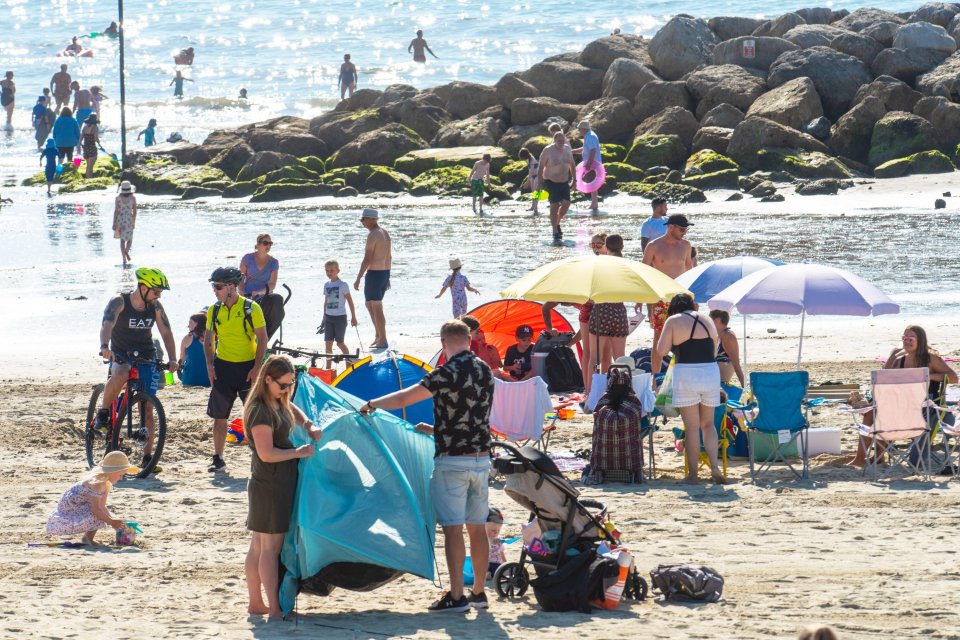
(518, 411)
(781, 418)
(951, 448)
(726, 429)
(903, 418)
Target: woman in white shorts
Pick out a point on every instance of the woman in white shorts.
(692, 337)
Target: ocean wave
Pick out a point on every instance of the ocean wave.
(197, 102)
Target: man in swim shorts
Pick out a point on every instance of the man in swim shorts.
(417, 47)
(60, 86)
(375, 270)
(348, 77)
(556, 170)
(669, 254)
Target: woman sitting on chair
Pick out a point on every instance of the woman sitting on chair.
(617, 445)
(915, 352)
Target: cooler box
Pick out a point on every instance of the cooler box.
(538, 362)
(823, 440)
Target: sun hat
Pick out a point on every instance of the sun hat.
(370, 213)
(627, 361)
(455, 263)
(679, 220)
(116, 461)
(126, 187)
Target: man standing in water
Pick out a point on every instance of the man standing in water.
(672, 255)
(556, 169)
(377, 259)
(417, 47)
(348, 77)
(60, 86)
(591, 155)
(654, 226)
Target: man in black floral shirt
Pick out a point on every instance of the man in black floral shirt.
(462, 392)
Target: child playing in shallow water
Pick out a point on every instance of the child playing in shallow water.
(478, 177)
(149, 134)
(458, 285)
(177, 84)
(533, 167)
(83, 507)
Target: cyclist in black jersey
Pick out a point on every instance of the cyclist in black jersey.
(127, 326)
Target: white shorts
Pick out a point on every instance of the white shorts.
(696, 384)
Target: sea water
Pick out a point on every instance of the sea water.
(59, 263)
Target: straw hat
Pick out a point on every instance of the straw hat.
(115, 461)
(455, 263)
(126, 187)
(627, 361)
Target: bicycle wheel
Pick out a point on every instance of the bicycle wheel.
(131, 434)
(94, 442)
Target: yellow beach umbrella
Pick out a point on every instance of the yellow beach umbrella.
(597, 278)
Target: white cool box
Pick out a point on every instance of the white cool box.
(822, 440)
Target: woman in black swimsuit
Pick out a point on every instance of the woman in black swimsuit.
(915, 352)
(8, 92)
(692, 338)
(728, 353)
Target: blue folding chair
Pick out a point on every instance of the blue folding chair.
(781, 417)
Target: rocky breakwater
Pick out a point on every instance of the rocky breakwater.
(809, 99)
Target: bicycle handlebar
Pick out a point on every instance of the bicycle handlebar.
(133, 359)
(313, 355)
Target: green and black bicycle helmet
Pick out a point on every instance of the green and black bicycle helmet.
(152, 278)
(227, 275)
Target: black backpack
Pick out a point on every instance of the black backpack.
(562, 371)
(692, 581)
(579, 580)
(247, 316)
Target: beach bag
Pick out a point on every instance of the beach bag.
(691, 581)
(664, 401)
(643, 357)
(580, 579)
(562, 370)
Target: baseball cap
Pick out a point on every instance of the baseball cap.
(524, 331)
(679, 220)
(584, 124)
(495, 516)
(370, 213)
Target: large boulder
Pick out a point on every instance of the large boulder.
(625, 77)
(794, 103)
(442, 180)
(657, 95)
(779, 26)
(729, 27)
(810, 165)
(171, 179)
(262, 163)
(510, 87)
(708, 161)
(465, 99)
(850, 136)
(231, 160)
(941, 78)
(916, 164)
(601, 53)
(671, 121)
(861, 47)
(682, 45)
(713, 138)
(723, 179)
(906, 64)
(481, 130)
(765, 50)
(528, 111)
(813, 35)
(293, 143)
(899, 134)
(866, 17)
(895, 94)
(657, 151)
(723, 115)
(882, 32)
(612, 119)
(923, 35)
(568, 82)
(755, 134)
(182, 152)
(816, 15)
(380, 147)
(395, 93)
(420, 115)
(729, 83)
(361, 99)
(836, 75)
(939, 13)
(337, 128)
(516, 136)
(944, 116)
(283, 191)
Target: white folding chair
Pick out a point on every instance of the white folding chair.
(518, 411)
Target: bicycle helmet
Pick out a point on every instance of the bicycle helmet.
(152, 278)
(227, 275)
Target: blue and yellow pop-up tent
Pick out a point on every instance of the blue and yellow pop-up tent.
(362, 514)
(368, 378)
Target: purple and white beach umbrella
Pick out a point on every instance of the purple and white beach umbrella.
(801, 289)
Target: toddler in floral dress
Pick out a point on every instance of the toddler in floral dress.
(458, 285)
(83, 507)
(497, 556)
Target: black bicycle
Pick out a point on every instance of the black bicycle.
(138, 426)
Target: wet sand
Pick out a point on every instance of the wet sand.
(876, 561)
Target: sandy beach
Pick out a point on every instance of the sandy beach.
(874, 560)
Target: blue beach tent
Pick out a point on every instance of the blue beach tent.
(362, 514)
(368, 378)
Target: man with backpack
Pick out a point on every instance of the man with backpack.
(237, 336)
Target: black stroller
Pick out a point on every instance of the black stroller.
(534, 481)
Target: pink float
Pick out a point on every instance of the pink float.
(600, 175)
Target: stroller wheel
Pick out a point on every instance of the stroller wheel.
(636, 587)
(511, 580)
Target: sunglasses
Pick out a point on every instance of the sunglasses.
(268, 243)
(283, 385)
(218, 286)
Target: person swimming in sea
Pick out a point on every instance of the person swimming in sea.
(185, 57)
(417, 47)
(243, 94)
